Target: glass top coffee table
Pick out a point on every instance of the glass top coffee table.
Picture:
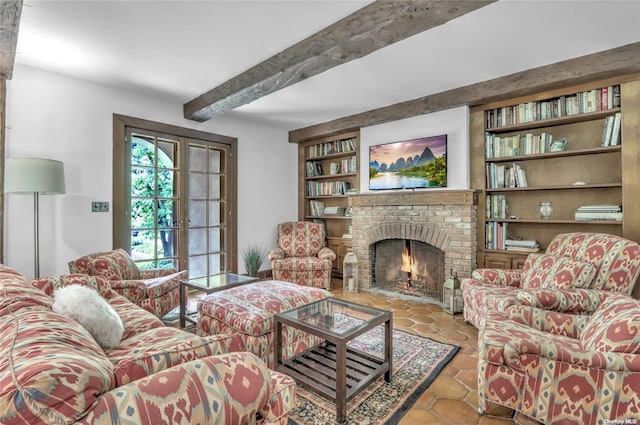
(208, 285)
(334, 369)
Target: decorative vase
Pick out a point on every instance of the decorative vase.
(546, 209)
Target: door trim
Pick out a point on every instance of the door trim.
(120, 125)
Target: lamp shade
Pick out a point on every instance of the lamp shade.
(33, 175)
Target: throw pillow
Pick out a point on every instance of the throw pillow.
(88, 308)
(551, 271)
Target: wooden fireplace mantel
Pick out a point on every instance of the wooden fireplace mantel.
(420, 197)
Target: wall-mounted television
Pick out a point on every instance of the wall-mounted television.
(409, 164)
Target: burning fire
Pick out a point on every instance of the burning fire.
(409, 264)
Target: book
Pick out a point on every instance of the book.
(606, 132)
(521, 243)
(600, 208)
(522, 249)
(615, 132)
(591, 215)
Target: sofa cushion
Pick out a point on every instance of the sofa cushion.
(552, 271)
(16, 293)
(614, 326)
(50, 367)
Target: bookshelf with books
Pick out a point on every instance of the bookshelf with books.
(328, 172)
(571, 147)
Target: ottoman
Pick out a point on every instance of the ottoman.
(248, 311)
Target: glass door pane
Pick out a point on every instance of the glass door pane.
(207, 209)
(154, 197)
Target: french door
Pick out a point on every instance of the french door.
(172, 203)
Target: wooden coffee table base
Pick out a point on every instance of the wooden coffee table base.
(316, 370)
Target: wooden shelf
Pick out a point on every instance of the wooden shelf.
(331, 176)
(331, 156)
(569, 119)
(553, 221)
(562, 187)
(547, 155)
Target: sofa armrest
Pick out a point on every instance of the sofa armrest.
(574, 300)
(326, 253)
(557, 323)
(49, 284)
(546, 349)
(275, 254)
(498, 277)
(229, 388)
(164, 348)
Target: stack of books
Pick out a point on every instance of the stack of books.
(521, 245)
(599, 212)
(334, 211)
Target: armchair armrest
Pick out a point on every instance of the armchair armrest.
(574, 300)
(152, 273)
(229, 388)
(275, 254)
(498, 277)
(326, 253)
(137, 290)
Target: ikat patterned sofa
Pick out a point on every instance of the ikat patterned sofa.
(52, 371)
(577, 268)
(155, 290)
(248, 310)
(301, 255)
(560, 368)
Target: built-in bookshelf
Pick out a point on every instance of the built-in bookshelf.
(572, 148)
(327, 173)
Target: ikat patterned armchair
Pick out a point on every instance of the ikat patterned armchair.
(301, 256)
(560, 368)
(155, 290)
(577, 269)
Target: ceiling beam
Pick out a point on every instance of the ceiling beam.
(10, 11)
(609, 63)
(373, 27)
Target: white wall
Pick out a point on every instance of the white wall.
(70, 120)
(452, 122)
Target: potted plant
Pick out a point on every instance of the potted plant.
(253, 258)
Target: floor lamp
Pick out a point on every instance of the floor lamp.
(34, 176)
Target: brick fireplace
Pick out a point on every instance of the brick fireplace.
(440, 225)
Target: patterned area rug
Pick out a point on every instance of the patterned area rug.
(417, 361)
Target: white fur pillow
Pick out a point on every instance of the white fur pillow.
(87, 307)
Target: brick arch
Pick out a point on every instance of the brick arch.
(414, 231)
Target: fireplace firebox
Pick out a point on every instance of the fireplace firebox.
(408, 267)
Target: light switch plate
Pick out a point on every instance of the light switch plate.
(99, 206)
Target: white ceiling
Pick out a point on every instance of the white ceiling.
(178, 50)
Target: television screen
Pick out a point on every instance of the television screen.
(409, 164)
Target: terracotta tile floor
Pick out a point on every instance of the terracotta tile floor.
(452, 398)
